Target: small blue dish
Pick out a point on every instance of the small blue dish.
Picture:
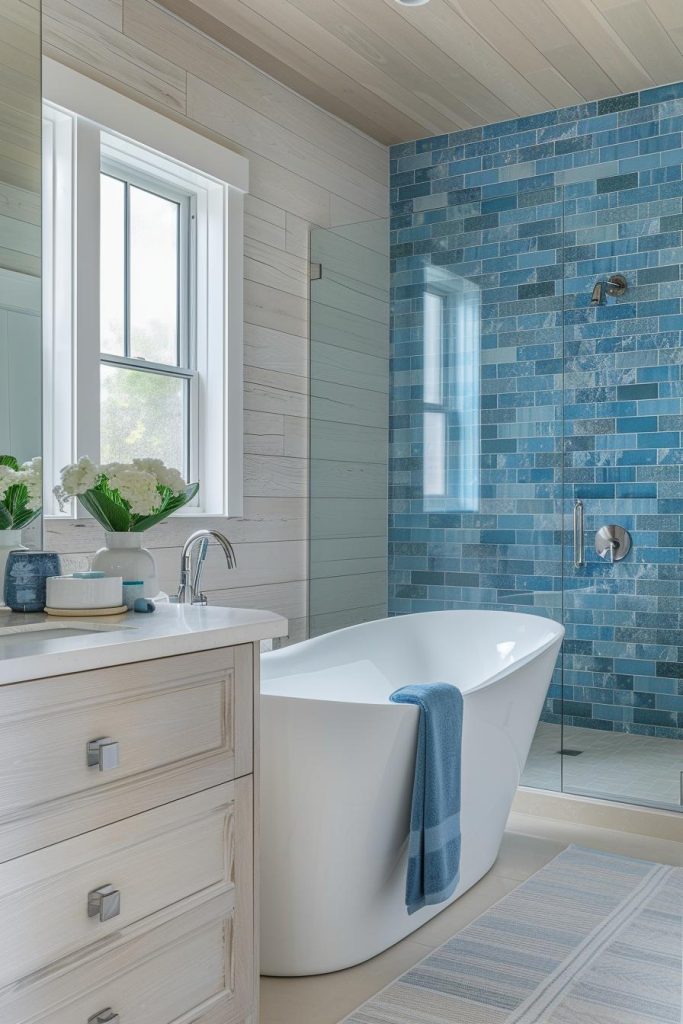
(25, 576)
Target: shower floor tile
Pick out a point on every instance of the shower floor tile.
(617, 766)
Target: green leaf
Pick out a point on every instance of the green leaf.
(110, 514)
(103, 487)
(25, 517)
(170, 504)
(9, 460)
(6, 520)
(15, 505)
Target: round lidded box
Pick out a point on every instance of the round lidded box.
(84, 590)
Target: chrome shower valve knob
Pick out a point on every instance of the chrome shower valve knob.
(613, 542)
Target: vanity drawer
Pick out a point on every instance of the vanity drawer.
(182, 971)
(176, 725)
(161, 863)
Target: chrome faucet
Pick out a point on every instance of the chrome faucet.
(598, 293)
(616, 285)
(189, 588)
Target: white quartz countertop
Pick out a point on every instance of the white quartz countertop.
(42, 652)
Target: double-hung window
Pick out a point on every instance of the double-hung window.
(450, 392)
(143, 223)
(148, 357)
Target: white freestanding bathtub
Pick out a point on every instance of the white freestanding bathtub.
(337, 763)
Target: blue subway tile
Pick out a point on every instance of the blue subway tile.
(623, 407)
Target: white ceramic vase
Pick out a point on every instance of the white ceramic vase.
(10, 540)
(123, 555)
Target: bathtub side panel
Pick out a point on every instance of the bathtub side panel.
(500, 721)
(335, 814)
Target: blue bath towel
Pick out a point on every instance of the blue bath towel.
(434, 846)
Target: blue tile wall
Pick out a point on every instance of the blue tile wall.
(576, 401)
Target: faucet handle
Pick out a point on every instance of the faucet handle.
(201, 558)
(613, 543)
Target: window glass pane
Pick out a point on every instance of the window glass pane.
(153, 277)
(143, 415)
(433, 348)
(112, 264)
(434, 465)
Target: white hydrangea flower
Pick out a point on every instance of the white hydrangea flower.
(137, 483)
(136, 487)
(79, 477)
(32, 475)
(165, 475)
(173, 479)
(112, 468)
(149, 465)
(8, 478)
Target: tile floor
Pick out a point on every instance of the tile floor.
(529, 843)
(642, 769)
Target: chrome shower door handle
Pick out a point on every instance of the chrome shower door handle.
(579, 538)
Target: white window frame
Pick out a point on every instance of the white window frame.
(90, 125)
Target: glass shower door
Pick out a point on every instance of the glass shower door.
(349, 414)
(623, 679)
(518, 404)
(477, 416)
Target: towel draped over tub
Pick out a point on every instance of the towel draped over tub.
(434, 844)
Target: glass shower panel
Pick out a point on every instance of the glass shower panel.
(623, 684)
(349, 417)
(477, 417)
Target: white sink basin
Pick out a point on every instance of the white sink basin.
(30, 632)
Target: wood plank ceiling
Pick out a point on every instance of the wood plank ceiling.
(401, 73)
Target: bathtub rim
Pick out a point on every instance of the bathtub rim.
(312, 642)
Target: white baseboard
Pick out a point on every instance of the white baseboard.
(647, 821)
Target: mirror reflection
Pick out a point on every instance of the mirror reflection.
(20, 277)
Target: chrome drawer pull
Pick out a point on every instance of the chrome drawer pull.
(103, 753)
(104, 1017)
(104, 903)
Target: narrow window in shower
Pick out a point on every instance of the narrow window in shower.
(450, 392)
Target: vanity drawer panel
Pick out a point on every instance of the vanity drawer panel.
(162, 863)
(180, 725)
(178, 972)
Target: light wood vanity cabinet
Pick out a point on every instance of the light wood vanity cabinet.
(127, 866)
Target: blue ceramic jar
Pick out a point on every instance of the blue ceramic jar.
(25, 576)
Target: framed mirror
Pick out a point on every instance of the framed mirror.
(20, 276)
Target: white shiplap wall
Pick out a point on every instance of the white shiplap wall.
(306, 168)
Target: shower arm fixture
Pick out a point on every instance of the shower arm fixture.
(615, 285)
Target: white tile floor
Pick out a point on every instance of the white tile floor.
(616, 766)
(529, 843)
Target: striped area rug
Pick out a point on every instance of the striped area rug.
(590, 939)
